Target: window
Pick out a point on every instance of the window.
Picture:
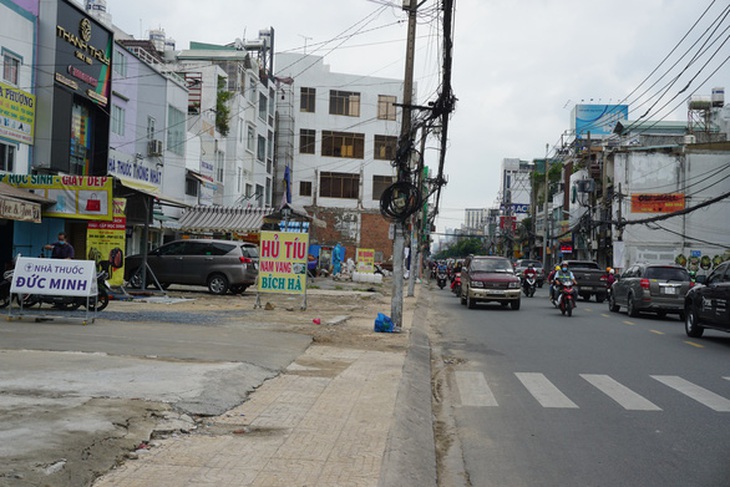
(250, 138)
(261, 149)
(260, 196)
(270, 145)
(151, 124)
(219, 164)
(262, 106)
(380, 184)
(339, 185)
(117, 122)
(307, 99)
(175, 131)
(120, 63)
(386, 109)
(7, 157)
(218, 248)
(268, 192)
(249, 191)
(343, 144)
(272, 106)
(307, 141)
(252, 89)
(344, 103)
(384, 147)
(11, 68)
(305, 188)
(191, 187)
(239, 179)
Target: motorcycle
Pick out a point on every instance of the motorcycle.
(5, 288)
(529, 284)
(441, 279)
(566, 297)
(69, 303)
(456, 284)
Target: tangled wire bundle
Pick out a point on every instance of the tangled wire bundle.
(400, 200)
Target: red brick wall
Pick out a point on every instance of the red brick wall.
(371, 231)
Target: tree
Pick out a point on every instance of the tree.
(222, 111)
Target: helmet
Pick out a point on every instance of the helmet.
(611, 271)
(557, 267)
(563, 265)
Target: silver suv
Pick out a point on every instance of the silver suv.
(651, 287)
(222, 265)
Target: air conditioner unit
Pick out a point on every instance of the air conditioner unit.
(690, 139)
(154, 148)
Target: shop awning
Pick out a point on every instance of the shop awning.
(23, 194)
(150, 190)
(221, 219)
(21, 205)
(208, 183)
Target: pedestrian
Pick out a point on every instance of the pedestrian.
(61, 249)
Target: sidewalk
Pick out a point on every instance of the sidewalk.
(325, 421)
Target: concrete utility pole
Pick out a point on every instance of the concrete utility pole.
(545, 260)
(415, 254)
(396, 305)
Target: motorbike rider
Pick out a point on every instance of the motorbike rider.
(528, 273)
(564, 273)
(550, 279)
(611, 278)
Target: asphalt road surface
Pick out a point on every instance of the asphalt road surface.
(597, 399)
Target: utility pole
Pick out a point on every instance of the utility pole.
(415, 253)
(545, 226)
(396, 305)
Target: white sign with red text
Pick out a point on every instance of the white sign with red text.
(54, 277)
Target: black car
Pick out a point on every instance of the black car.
(708, 305)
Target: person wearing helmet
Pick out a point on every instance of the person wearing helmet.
(611, 278)
(551, 277)
(564, 273)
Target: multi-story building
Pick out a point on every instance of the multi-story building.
(475, 220)
(340, 133)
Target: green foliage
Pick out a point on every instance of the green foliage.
(222, 111)
(462, 248)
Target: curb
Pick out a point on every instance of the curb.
(410, 452)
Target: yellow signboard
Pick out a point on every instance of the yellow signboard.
(283, 262)
(82, 197)
(365, 260)
(105, 243)
(17, 114)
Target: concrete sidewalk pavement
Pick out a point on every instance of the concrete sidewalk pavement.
(332, 418)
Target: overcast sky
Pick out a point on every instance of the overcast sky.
(519, 65)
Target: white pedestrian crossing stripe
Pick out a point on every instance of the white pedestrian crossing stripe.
(693, 391)
(620, 393)
(544, 391)
(474, 390)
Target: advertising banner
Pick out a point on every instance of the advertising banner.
(106, 242)
(657, 203)
(365, 260)
(82, 197)
(283, 262)
(54, 277)
(598, 120)
(17, 114)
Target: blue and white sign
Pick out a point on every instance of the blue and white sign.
(54, 277)
(518, 208)
(599, 120)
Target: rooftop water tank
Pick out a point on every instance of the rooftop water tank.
(718, 97)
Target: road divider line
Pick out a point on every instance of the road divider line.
(631, 323)
(726, 378)
(693, 391)
(605, 315)
(474, 390)
(696, 345)
(624, 396)
(544, 391)
(657, 332)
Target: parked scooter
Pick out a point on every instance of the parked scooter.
(456, 284)
(5, 288)
(566, 297)
(529, 284)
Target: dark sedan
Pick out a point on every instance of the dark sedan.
(708, 306)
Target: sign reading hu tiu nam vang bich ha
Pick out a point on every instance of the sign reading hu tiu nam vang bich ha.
(283, 262)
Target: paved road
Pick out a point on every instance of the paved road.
(598, 399)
